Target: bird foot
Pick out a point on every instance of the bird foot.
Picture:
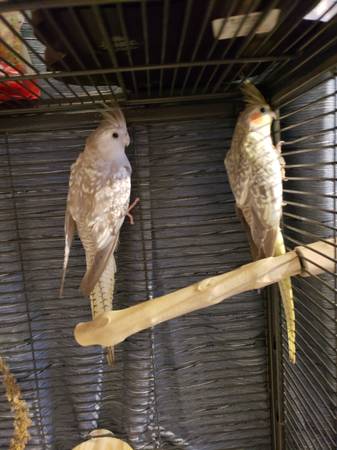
(133, 204)
(283, 167)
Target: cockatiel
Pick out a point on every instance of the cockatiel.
(98, 201)
(255, 170)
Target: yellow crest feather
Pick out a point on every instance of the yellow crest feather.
(252, 95)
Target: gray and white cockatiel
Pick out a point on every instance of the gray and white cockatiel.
(98, 201)
(255, 170)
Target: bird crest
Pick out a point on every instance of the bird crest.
(113, 117)
(252, 95)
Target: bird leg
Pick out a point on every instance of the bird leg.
(133, 204)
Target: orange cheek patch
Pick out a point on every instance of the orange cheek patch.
(256, 118)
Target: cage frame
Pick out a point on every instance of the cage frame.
(178, 107)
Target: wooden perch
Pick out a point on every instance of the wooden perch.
(102, 440)
(114, 327)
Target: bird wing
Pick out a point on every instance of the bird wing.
(238, 170)
(263, 206)
(106, 209)
(97, 202)
(255, 176)
(262, 235)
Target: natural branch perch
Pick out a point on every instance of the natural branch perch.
(113, 327)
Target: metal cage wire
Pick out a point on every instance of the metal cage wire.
(204, 380)
(140, 52)
(309, 128)
(155, 396)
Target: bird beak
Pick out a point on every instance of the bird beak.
(127, 140)
(273, 115)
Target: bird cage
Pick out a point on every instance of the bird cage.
(217, 378)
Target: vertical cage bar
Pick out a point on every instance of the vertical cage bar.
(267, 38)
(310, 387)
(250, 8)
(38, 408)
(335, 235)
(90, 48)
(302, 36)
(278, 66)
(209, 10)
(323, 47)
(274, 337)
(20, 82)
(14, 52)
(147, 48)
(126, 38)
(187, 15)
(34, 52)
(215, 43)
(102, 28)
(285, 35)
(143, 153)
(72, 51)
(28, 19)
(15, 101)
(274, 318)
(244, 46)
(166, 15)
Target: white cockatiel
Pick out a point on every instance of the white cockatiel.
(98, 201)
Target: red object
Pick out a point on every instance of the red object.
(16, 90)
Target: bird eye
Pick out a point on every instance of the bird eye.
(263, 110)
(115, 135)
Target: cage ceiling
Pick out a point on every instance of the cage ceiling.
(83, 53)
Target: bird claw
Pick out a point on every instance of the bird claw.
(283, 166)
(279, 146)
(133, 204)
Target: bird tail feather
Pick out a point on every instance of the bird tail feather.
(287, 301)
(110, 356)
(101, 299)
